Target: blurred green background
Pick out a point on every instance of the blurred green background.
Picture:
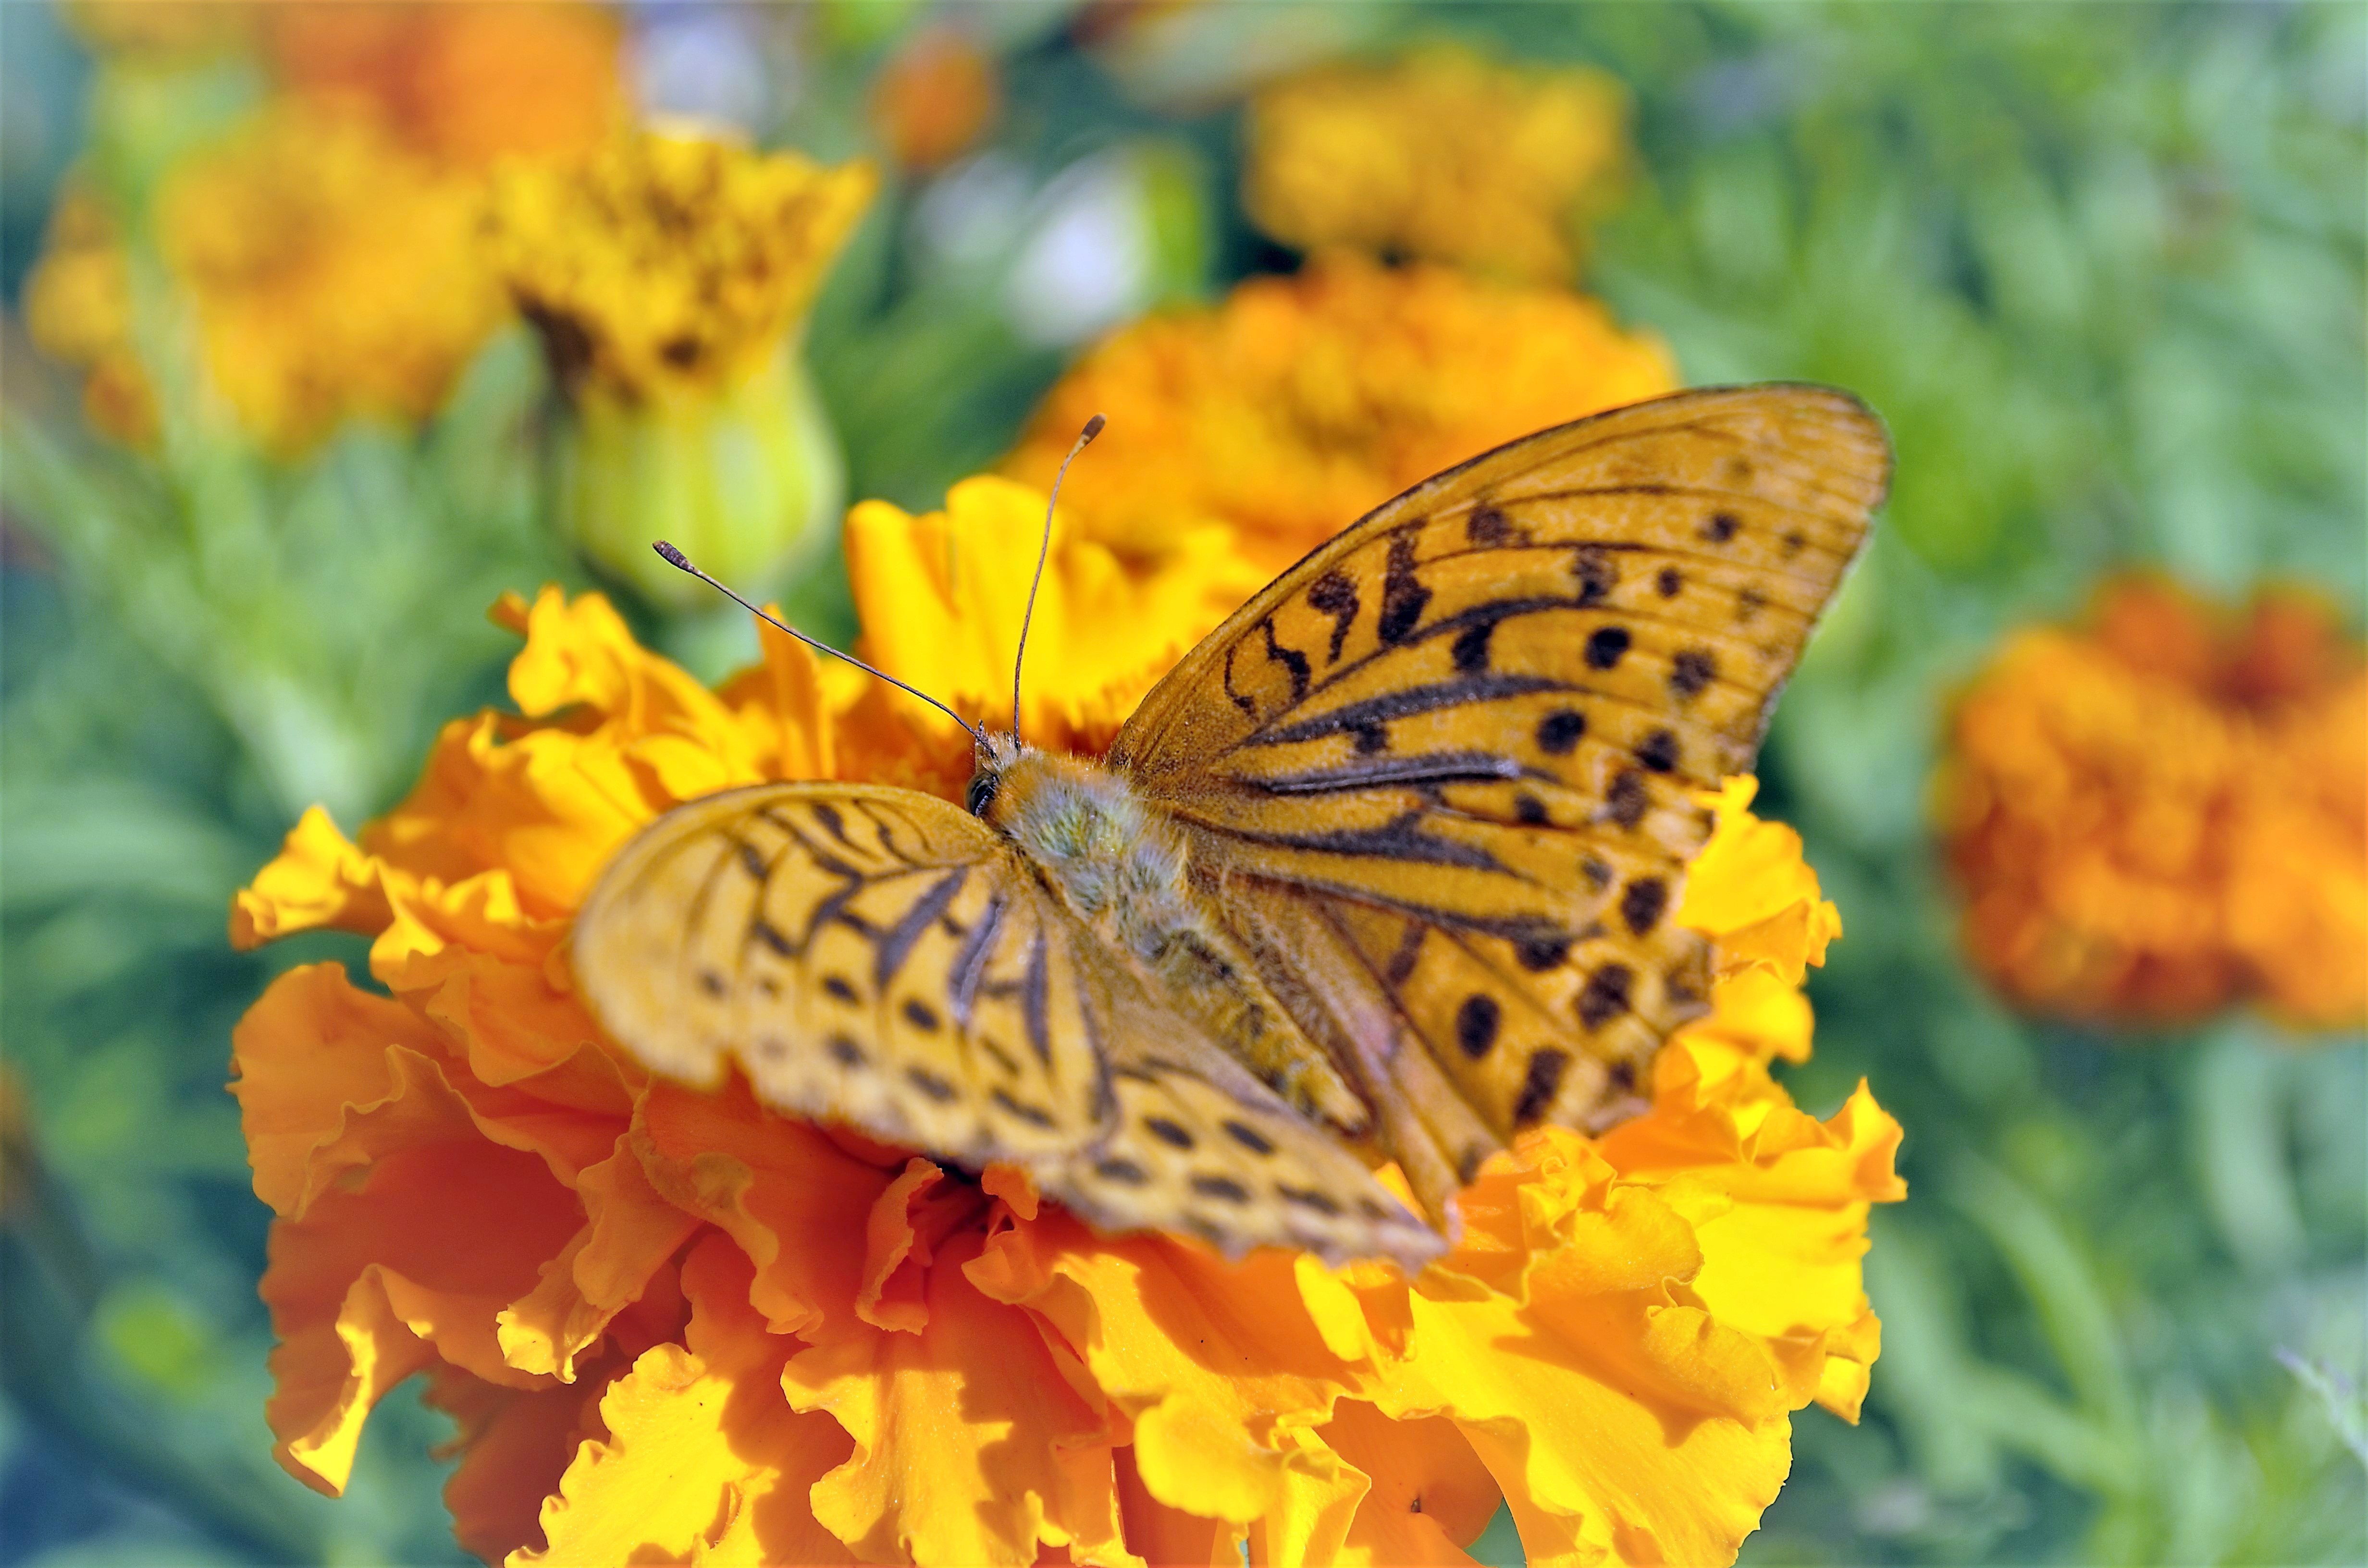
(2101, 267)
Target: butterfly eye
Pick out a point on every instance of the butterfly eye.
(982, 791)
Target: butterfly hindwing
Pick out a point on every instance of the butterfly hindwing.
(1467, 733)
(870, 955)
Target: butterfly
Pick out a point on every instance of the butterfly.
(1384, 869)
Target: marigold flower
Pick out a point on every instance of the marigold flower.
(77, 304)
(1301, 402)
(1440, 156)
(673, 1324)
(459, 83)
(2167, 812)
(334, 273)
(669, 276)
(936, 97)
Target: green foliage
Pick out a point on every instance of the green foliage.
(2102, 267)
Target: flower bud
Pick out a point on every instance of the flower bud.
(669, 276)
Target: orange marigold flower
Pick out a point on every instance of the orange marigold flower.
(937, 95)
(2167, 812)
(464, 83)
(673, 1323)
(1442, 155)
(334, 274)
(1301, 402)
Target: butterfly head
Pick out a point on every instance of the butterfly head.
(992, 757)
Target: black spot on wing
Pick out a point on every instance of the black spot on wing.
(1641, 901)
(1559, 731)
(1487, 529)
(1167, 1131)
(1540, 1084)
(930, 1083)
(1605, 645)
(1402, 594)
(1659, 751)
(1627, 800)
(1475, 1025)
(1691, 671)
(1606, 995)
(1249, 1137)
(1596, 572)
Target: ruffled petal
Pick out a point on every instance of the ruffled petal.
(414, 1260)
(1430, 1498)
(703, 1461)
(785, 1192)
(312, 1048)
(513, 1447)
(319, 880)
(1214, 1362)
(1622, 1419)
(1750, 892)
(959, 1425)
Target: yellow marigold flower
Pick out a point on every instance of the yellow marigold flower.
(1301, 402)
(334, 273)
(669, 276)
(673, 1323)
(944, 593)
(2167, 812)
(936, 97)
(665, 260)
(1440, 156)
(463, 83)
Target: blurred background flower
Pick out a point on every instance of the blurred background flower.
(275, 437)
(2167, 812)
(1440, 156)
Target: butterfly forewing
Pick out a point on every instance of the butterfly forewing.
(1471, 728)
(871, 955)
(876, 957)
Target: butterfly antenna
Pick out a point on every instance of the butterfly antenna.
(677, 558)
(1044, 548)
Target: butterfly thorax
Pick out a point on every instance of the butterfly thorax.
(1122, 868)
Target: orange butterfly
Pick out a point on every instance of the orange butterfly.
(1383, 870)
